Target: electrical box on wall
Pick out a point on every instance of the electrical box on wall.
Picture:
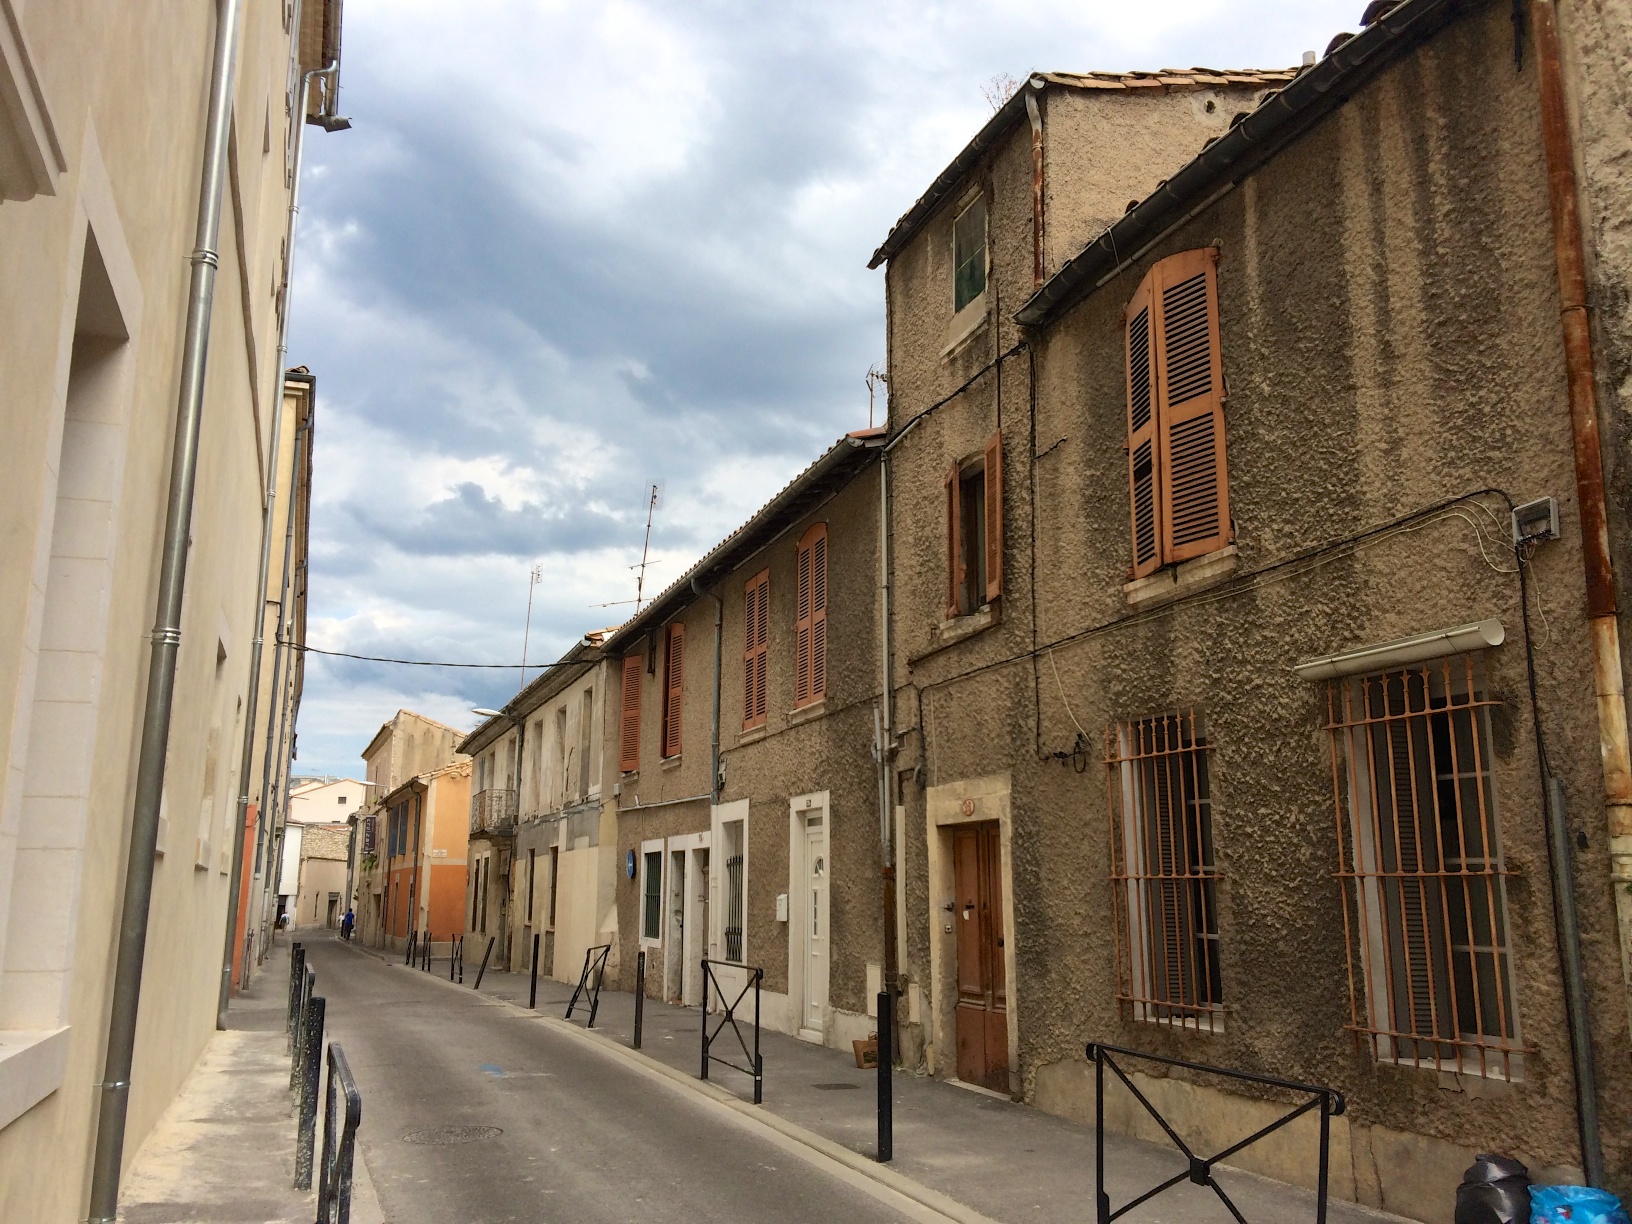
(1535, 520)
(781, 907)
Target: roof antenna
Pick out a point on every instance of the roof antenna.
(533, 579)
(646, 549)
(876, 378)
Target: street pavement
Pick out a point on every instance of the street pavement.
(475, 1112)
(600, 1124)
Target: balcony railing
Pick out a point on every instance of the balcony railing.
(493, 811)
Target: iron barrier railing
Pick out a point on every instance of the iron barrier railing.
(342, 1115)
(477, 985)
(532, 984)
(728, 1016)
(302, 995)
(307, 1070)
(427, 951)
(1200, 1169)
(297, 975)
(640, 993)
(456, 958)
(594, 972)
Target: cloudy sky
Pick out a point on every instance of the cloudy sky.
(571, 249)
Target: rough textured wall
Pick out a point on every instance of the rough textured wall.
(1390, 336)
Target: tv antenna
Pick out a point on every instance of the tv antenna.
(654, 495)
(876, 378)
(535, 577)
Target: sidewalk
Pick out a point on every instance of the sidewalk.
(224, 1151)
(972, 1155)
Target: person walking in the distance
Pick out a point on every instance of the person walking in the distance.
(346, 924)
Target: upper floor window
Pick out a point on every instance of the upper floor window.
(629, 717)
(810, 625)
(756, 620)
(1178, 481)
(974, 530)
(674, 668)
(969, 253)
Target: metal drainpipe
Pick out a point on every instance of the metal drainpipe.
(246, 760)
(1035, 115)
(1570, 257)
(166, 635)
(714, 734)
(886, 745)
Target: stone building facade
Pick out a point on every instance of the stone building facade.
(1240, 758)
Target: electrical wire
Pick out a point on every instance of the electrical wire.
(341, 654)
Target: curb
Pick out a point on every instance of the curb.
(921, 1202)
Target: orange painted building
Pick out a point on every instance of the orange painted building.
(413, 858)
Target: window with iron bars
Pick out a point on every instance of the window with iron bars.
(1163, 873)
(733, 908)
(1430, 972)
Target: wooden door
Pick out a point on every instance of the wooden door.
(982, 1014)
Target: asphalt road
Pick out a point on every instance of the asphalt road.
(582, 1136)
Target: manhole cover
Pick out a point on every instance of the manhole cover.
(443, 1136)
(834, 1087)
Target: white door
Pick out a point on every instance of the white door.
(814, 916)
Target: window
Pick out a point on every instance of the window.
(1177, 477)
(651, 912)
(674, 675)
(974, 531)
(756, 620)
(810, 625)
(969, 254)
(532, 880)
(559, 794)
(629, 723)
(731, 837)
(1429, 964)
(586, 744)
(1163, 873)
(341, 800)
(555, 876)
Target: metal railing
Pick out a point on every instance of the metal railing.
(493, 811)
(594, 972)
(477, 985)
(728, 1016)
(456, 958)
(297, 977)
(306, 1071)
(1200, 1169)
(342, 1113)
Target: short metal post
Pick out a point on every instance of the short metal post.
(1102, 1198)
(886, 1059)
(306, 1102)
(708, 977)
(759, 1063)
(532, 988)
(640, 994)
(1325, 1147)
(483, 969)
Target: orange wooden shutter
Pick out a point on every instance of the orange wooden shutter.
(1143, 461)
(629, 728)
(954, 553)
(818, 611)
(994, 516)
(1194, 486)
(756, 637)
(673, 689)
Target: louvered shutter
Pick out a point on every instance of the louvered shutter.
(1193, 485)
(954, 554)
(818, 611)
(1143, 464)
(756, 636)
(673, 689)
(994, 516)
(802, 638)
(629, 726)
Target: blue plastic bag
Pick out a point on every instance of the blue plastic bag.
(1575, 1205)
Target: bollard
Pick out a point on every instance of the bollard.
(532, 989)
(483, 969)
(306, 1101)
(886, 1058)
(640, 994)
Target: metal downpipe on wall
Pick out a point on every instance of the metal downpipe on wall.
(166, 637)
(1603, 621)
(886, 752)
(246, 760)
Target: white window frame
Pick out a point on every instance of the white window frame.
(658, 848)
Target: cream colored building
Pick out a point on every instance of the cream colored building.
(100, 172)
(319, 899)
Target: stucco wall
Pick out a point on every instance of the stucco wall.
(1390, 339)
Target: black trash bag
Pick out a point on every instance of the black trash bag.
(1494, 1190)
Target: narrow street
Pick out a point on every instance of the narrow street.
(581, 1136)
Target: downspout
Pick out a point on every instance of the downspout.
(714, 732)
(246, 758)
(166, 635)
(1603, 622)
(886, 747)
(413, 880)
(1034, 113)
